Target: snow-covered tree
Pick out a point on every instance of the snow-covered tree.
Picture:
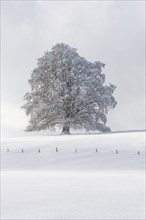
(68, 91)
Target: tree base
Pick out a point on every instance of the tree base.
(66, 129)
(65, 133)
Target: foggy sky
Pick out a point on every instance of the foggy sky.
(112, 32)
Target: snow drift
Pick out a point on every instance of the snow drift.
(86, 184)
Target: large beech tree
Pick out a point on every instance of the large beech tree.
(68, 91)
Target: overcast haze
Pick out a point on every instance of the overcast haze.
(112, 32)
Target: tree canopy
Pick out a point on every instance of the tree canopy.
(68, 91)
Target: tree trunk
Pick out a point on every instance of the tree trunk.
(66, 129)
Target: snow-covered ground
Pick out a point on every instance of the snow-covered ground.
(74, 185)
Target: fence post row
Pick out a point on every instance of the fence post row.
(22, 151)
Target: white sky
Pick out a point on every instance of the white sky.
(110, 31)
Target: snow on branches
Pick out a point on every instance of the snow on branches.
(68, 91)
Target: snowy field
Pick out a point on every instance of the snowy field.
(87, 184)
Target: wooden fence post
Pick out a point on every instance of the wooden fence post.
(138, 152)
